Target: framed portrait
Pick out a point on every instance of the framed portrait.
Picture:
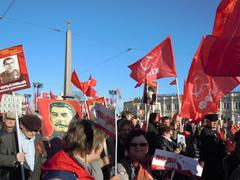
(13, 70)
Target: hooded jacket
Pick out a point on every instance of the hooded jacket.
(62, 165)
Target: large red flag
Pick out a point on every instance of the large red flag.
(221, 51)
(156, 64)
(83, 86)
(206, 91)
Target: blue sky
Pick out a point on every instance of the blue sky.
(102, 31)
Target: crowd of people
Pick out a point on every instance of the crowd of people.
(84, 151)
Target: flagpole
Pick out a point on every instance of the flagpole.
(18, 133)
(116, 143)
(179, 101)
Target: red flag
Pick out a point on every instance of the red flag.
(75, 80)
(203, 91)
(156, 64)
(83, 86)
(224, 10)
(220, 53)
(174, 82)
(92, 82)
(52, 96)
(91, 92)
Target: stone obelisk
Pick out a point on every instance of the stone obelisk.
(68, 64)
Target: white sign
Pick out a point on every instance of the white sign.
(105, 118)
(165, 160)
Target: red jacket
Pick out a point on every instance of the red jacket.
(61, 161)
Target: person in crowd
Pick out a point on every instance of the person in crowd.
(9, 122)
(136, 122)
(212, 149)
(232, 161)
(164, 141)
(154, 123)
(9, 74)
(124, 127)
(84, 144)
(32, 155)
(166, 121)
(127, 115)
(136, 164)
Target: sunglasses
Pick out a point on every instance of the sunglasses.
(138, 144)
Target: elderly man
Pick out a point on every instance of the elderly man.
(32, 154)
(10, 74)
(212, 149)
(9, 122)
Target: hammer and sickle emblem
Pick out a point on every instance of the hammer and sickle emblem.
(146, 64)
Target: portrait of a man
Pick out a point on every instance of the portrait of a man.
(10, 70)
(149, 95)
(61, 114)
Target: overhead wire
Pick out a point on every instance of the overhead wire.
(108, 59)
(74, 34)
(8, 8)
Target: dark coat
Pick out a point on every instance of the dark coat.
(164, 144)
(9, 168)
(212, 152)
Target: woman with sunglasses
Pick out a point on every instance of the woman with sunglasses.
(135, 164)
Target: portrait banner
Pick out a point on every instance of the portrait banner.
(90, 106)
(13, 70)
(105, 118)
(165, 160)
(150, 92)
(57, 115)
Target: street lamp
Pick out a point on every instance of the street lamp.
(37, 86)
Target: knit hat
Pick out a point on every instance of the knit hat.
(32, 122)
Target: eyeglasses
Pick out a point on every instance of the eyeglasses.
(138, 144)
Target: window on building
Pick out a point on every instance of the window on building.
(228, 105)
(224, 105)
(168, 106)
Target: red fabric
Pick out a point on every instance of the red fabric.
(174, 82)
(220, 52)
(156, 64)
(52, 96)
(92, 82)
(75, 80)
(83, 86)
(225, 8)
(62, 161)
(91, 92)
(203, 92)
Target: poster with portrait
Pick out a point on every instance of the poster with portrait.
(57, 115)
(150, 92)
(13, 70)
(90, 106)
(181, 140)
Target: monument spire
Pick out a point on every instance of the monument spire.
(68, 63)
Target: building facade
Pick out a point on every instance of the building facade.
(167, 105)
